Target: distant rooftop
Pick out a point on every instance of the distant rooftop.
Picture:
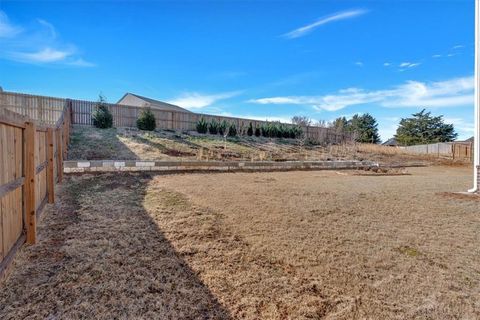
(390, 142)
(132, 99)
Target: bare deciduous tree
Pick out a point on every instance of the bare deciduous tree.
(302, 120)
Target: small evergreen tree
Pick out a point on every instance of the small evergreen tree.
(213, 127)
(146, 120)
(232, 130)
(286, 131)
(222, 127)
(250, 130)
(202, 126)
(102, 117)
(258, 132)
(264, 130)
(296, 132)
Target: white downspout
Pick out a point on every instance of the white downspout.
(476, 141)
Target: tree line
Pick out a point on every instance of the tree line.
(421, 128)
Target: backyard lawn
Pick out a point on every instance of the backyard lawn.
(290, 245)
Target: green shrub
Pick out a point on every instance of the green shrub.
(250, 130)
(286, 131)
(213, 127)
(146, 120)
(264, 129)
(232, 130)
(282, 130)
(291, 133)
(279, 130)
(296, 132)
(258, 133)
(274, 130)
(102, 117)
(222, 127)
(202, 126)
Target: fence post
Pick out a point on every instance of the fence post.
(59, 155)
(64, 138)
(29, 188)
(50, 175)
(70, 107)
(471, 151)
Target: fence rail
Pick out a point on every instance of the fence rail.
(31, 160)
(48, 110)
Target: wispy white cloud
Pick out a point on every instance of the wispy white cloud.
(343, 15)
(452, 52)
(359, 64)
(195, 100)
(38, 44)
(409, 64)
(81, 63)
(49, 27)
(450, 93)
(7, 29)
(387, 64)
(465, 129)
(43, 56)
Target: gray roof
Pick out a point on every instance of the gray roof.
(390, 142)
(152, 103)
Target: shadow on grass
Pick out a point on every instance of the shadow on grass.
(88, 143)
(101, 255)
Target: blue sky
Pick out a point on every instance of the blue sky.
(263, 59)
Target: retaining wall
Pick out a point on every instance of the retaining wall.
(188, 166)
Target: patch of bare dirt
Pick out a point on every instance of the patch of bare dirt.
(381, 171)
(177, 153)
(460, 196)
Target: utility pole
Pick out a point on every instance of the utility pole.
(476, 141)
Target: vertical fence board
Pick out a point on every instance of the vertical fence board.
(59, 154)
(50, 167)
(29, 189)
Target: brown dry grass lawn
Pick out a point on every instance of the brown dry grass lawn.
(292, 245)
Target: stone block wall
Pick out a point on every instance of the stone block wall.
(188, 166)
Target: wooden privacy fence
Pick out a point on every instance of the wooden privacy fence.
(47, 110)
(31, 162)
(453, 150)
(126, 116)
(44, 110)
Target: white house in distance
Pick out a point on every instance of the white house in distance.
(131, 99)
